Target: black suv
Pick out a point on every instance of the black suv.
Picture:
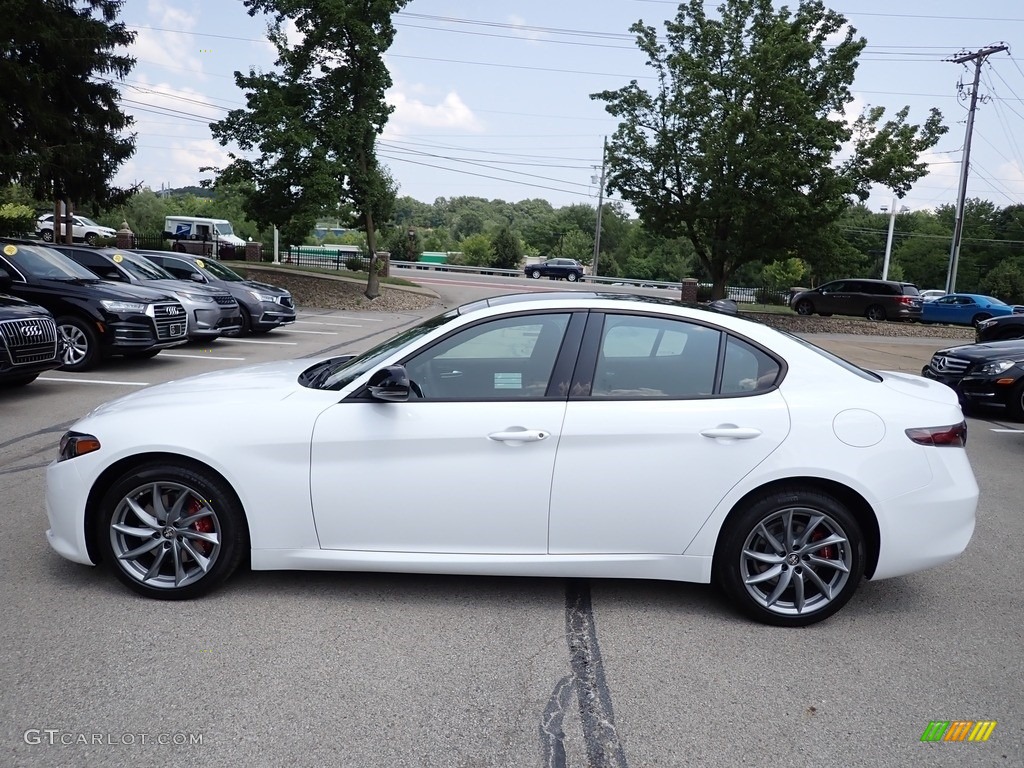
(861, 297)
(28, 341)
(264, 307)
(95, 318)
(557, 269)
(983, 374)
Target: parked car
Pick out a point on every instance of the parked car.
(873, 299)
(556, 269)
(989, 374)
(966, 309)
(263, 306)
(82, 229)
(28, 341)
(1000, 328)
(210, 311)
(931, 294)
(785, 498)
(95, 318)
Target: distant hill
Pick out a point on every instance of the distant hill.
(181, 191)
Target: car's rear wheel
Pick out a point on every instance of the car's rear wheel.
(875, 312)
(535, 274)
(171, 531)
(791, 558)
(79, 344)
(979, 318)
(572, 277)
(804, 307)
(46, 235)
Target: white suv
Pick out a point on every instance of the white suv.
(81, 229)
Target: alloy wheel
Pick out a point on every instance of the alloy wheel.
(74, 346)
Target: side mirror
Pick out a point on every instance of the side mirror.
(197, 277)
(5, 280)
(390, 384)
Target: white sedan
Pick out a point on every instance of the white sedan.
(567, 435)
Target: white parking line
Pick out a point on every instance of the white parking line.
(259, 341)
(335, 325)
(318, 333)
(1011, 431)
(95, 381)
(198, 357)
(341, 317)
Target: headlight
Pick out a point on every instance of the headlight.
(124, 306)
(999, 366)
(986, 323)
(74, 444)
(262, 296)
(198, 297)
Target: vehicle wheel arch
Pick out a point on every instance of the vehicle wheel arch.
(851, 499)
(115, 471)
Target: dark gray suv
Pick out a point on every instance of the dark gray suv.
(862, 297)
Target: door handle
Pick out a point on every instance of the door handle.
(731, 432)
(451, 374)
(516, 436)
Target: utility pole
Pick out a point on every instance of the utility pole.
(600, 205)
(978, 57)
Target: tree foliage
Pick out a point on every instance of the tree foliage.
(61, 136)
(736, 146)
(506, 250)
(315, 120)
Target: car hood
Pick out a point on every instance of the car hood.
(186, 286)
(108, 289)
(245, 387)
(13, 308)
(992, 350)
(265, 287)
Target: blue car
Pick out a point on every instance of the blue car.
(966, 309)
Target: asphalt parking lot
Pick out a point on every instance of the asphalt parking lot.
(389, 670)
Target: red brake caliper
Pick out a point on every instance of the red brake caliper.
(202, 525)
(826, 553)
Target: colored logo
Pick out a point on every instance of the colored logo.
(958, 730)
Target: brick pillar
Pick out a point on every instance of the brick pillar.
(384, 261)
(689, 290)
(125, 236)
(253, 251)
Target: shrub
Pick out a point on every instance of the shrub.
(17, 219)
(353, 263)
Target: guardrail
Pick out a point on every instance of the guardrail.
(341, 260)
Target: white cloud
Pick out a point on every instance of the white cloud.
(171, 50)
(521, 29)
(412, 113)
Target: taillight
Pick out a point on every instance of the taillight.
(955, 435)
(905, 300)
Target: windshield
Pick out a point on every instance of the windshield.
(45, 263)
(219, 271)
(223, 228)
(142, 268)
(345, 372)
(89, 222)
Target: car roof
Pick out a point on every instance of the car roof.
(724, 307)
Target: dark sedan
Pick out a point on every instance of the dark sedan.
(983, 374)
(556, 269)
(1000, 328)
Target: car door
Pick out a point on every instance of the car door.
(667, 417)
(833, 298)
(947, 309)
(467, 467)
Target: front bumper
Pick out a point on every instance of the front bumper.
(976, 390)
(66, 493)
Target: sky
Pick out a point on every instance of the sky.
(493, 99)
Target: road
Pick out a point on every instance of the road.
(390, 670)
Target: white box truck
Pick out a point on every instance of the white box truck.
(196, 234)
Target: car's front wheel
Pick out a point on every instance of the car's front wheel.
(46, 235)
(90, 238)
(171, 531)
(791, 558)
(79, 344)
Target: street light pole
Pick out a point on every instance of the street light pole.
(888, 241)
(600, 205)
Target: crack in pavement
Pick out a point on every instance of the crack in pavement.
(604, 749)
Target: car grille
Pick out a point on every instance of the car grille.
(945, 365)
(30, 341)
(171, 321)
(225, 299)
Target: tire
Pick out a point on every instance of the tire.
(46, 235)
(171, 532)
(80, 347)
(90, 238)
(19, 381)
(572, 277)
(978, 318)
(535, 274)
(875, 313)
(804, 307)
(1016, 403)
(246, 328)
(811, 590)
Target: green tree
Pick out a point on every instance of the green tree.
(506, 250)
(61, 136)
(475, 251)
(315, 121)
(736, 146)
